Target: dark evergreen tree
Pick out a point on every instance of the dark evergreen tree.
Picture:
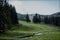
(39, 19)
(8, 16)
(2, 23)
(46, 20)
(27, 18)
(57, 21)
(13, 15)
(52, 20)
(35, 18)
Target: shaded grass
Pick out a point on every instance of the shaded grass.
(51, 32)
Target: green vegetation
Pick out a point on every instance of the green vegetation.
(8, 16)
(51, 32)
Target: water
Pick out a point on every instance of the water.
(30, 36)
(38, 34)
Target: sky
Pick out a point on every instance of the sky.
(38, 6)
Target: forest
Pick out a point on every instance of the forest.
(14, 26)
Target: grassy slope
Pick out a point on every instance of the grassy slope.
(50, 32)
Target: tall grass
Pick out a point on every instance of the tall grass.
(51, 32)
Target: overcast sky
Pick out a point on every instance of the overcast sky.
(32, 7)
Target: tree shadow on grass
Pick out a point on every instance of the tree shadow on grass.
(23, 27)
(18, 28)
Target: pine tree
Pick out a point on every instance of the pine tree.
(39, 19)
(27, 18)
(8, 17)
(35, 18)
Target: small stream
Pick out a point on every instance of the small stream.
(30, 36)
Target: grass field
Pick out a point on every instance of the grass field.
(51, 32)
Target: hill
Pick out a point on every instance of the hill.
(56, 14)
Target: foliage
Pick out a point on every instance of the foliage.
(8, 17)
(51, 32)
(36, 18)
(53, 19)
(27, 18)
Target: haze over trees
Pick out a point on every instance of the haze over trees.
(53, 19)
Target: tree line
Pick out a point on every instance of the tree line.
(53, 19)
(50, 19)
(36, 18)
(8, 17)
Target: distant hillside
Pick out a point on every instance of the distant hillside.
(57, 13)
(21, 16)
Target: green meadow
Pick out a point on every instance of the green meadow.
(50, 32)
